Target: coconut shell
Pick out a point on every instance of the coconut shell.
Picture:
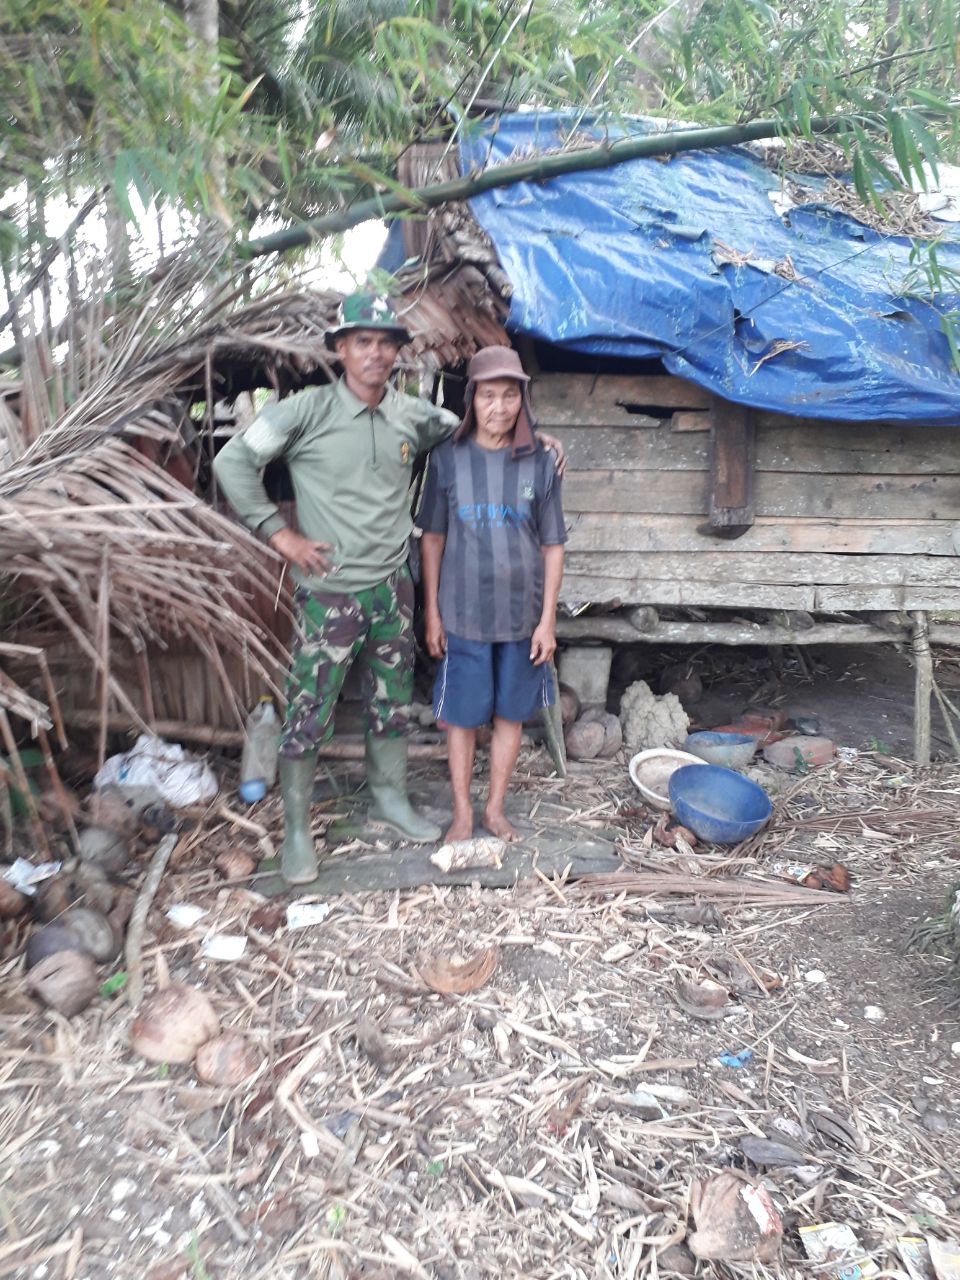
(569, 705)
(94, 933)
(48, 941)
(236, 865)
(110, 850)
(92, 888)
(584, 740)
(227, 1060)
(87, 885)
(66, 981)
(612, 732)
(53, 897)
(12, 902)
(173, 1024)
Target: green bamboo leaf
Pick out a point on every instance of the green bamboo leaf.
(801, 108)
(904, 149)
(860, 181)
(950, 329)
(927, 145)
(686, 52)
(283, 158)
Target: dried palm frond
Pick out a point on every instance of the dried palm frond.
(104, 543)
(97, 542)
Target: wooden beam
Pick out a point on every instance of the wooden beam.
(619, 631)
(340, 747)
(540, 854)
(646, 532)
(728, 593)
(732, 463)
(923, 686)
(596, 440)
(577, 399)
(868, 498)
(718, 562)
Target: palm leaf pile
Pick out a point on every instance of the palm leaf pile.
(106, 547)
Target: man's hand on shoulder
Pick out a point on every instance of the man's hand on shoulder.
(543, 643)
(308, 556)
(551, 442)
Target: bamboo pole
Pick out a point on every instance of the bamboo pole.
(620, 631)
(344, 747)
(536, 169)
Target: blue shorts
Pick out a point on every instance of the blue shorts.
(478, 680)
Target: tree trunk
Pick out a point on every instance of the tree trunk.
(203, 19)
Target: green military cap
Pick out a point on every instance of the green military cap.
(365, 311)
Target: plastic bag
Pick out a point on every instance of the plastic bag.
(177, 777)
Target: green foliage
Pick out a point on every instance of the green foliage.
(198, 1269)
(928, 281)
(305, 107)
(336, 1219)
(101, 90)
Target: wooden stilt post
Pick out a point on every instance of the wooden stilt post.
(923, 686)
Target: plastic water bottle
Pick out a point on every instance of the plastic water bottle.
(258, 764)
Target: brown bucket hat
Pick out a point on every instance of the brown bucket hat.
(488, 364)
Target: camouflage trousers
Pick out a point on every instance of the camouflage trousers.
(372, 627)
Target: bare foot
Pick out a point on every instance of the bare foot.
(497, 825)
(459, 829)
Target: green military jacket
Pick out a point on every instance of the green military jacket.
(350, 467)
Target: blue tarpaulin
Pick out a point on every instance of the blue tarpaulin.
(810, 313)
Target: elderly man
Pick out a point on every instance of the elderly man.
(493, 535)
(349, 448)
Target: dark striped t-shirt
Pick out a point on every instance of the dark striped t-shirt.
(497, 511)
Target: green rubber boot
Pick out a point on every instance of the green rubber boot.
(298, 853)
(387, 784)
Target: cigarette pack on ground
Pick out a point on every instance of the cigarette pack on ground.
(915, 1254)
(834, 1242)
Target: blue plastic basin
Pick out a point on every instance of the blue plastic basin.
(719, 805)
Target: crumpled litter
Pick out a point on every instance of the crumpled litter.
(735, 1060)
(177, 777)
(25, 877)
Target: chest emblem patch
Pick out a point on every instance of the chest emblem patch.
(528, 493)
(405, 452)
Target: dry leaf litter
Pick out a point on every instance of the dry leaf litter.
(466, 1083)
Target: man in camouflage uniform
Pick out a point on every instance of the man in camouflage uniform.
(349, 448)
(334, 630)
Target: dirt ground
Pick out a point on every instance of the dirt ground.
(553, 1122)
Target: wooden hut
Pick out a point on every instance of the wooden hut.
(695, 516)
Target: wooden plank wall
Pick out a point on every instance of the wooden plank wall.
(849, 516)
